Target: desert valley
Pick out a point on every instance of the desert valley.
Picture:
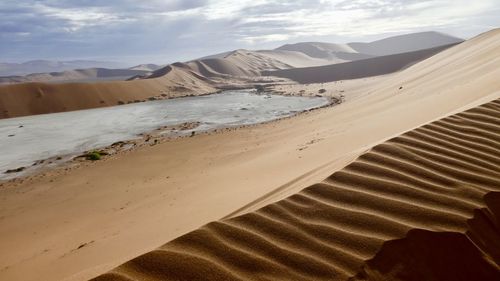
(375, 160)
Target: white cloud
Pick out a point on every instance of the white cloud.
(78, 18)
(186, 28)
(265, 38)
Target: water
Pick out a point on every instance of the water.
(27, 139)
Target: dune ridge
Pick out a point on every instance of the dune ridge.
(404, 43)
(420, 206)
(40, 98)
(76, 75)
(356, 69)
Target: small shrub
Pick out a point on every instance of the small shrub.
(93, 155)
(259, 88)
(321, 91)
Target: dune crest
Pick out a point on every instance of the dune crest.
(39, 98)
(77, 75)
(356, 69)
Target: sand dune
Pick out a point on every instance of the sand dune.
(356, 50)
(77, 224)
(175, 80)
(356, 69)
(38, 98)
(298, 59)
(237, 63)
(146, 67)
(77, 75)
(326, 52)
(399, 212)
(404, 43)
(39, 66)
(235, 69)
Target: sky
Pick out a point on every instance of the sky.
(164, 31)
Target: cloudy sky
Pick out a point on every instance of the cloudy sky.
(163, 31)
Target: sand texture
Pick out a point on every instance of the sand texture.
(78, 223)
(421, 206)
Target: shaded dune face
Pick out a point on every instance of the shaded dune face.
(421, 206)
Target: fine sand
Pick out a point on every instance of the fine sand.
(421, 206)
(78, 223)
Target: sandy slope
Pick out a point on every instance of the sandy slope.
(421, 206)
(355, 69)
(77, 75)
(76, 224)
(404, 43)
(237, 63)
(357, 50)
(146, 67)
(298, 59)
(38, 98)
(44, 66)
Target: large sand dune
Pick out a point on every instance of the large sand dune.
(175, 80)
(79, 223)
(404, 43)
(39, 98)
(40, 66)
(357, 50)
(356, 69)
(77, 75)
(421, 206)
(237, 63)
(299, 59)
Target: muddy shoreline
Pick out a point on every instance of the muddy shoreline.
(58, 163)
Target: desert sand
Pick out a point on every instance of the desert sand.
(76, 224)
(421, 206)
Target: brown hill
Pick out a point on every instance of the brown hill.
(77, 75)
(39, 98)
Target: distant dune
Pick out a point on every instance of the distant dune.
(39, 98)
(299, 59)
(356, 69)
(318, 49)
(146, 67)
(307, 62)
(237, 63)
(405, 43)
(388, 46)
(77, 75)
(44, 66)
